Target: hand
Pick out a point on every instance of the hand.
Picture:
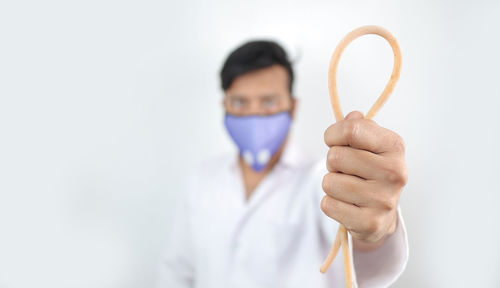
(367, 172)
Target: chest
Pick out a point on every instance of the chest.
(273, 233)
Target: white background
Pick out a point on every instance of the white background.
(105, 105)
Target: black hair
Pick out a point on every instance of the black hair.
(254, 55)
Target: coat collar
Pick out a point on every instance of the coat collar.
(292, 157)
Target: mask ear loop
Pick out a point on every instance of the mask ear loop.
(341, 238)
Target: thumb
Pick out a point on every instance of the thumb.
(354, 115)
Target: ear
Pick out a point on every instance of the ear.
(224, 102)
(294, 106)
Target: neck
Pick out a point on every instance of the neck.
(252, 178)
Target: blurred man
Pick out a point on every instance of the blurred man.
(267, 216)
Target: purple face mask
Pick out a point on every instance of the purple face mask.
(258, 137)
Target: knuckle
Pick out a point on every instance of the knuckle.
(324, 204)
(399, 144)
(350, 130)
(373, 225)
(325, 183)
(389, 203)
(334, 155)
(326, 134)
(404, 175)
(392, 202)
(393, 175)
(382, 201)
(397, 173)
(330, 185)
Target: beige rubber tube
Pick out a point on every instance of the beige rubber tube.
(341, 238)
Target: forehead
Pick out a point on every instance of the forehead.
(273, 79)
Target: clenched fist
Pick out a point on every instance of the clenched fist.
(367, 172)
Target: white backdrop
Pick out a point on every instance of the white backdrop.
(105, 105)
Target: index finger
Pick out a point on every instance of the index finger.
(363, 134)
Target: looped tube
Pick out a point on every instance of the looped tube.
(332, 75)
(341, 238)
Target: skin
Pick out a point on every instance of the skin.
(366, 162)
(260, 92)
(367, 172)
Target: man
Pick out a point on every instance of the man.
(256, 219)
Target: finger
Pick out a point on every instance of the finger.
(346, 188)
(363, 134)
(347, 214)
(361, 163)
(356, 191)
(354, 115)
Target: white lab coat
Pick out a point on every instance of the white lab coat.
(278, 238)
